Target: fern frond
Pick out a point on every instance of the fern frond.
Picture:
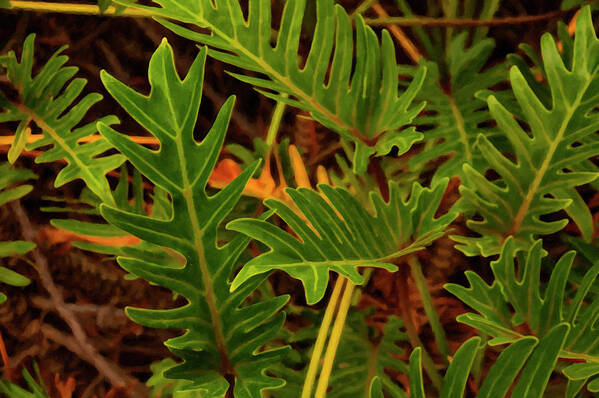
(541, 313)
(343, 236)
(457, 112)
(222, 338)
(364, 106)
(540, 180)
(49, 100)
(12, 189)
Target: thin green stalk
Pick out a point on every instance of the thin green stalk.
(82, 9)
(329, 357)
(275, 123)
(429, 308)
(404, 306)
(323, 333)
(365, 5)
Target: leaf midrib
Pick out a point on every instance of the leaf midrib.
(534, 187)
(460, 128)
(187, 193)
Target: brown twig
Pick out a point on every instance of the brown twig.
(428, 21)
(79, 344)
(4, 354)
(399, 35)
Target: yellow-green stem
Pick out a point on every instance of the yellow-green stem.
(275, 123)
(321, 339)
(329, 357)
(429, 308)
(82, 9)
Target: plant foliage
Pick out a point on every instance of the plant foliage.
(221, 339)
(539, 181)
(338, 234)
(523, 159)
(541, 313)
(49, 99)
(454, 112)
(364, 107)
(11, 188)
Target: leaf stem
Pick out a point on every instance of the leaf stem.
(323, 333)
(329, 357)
(81, 9)
(404, 307)
(429, 307)
(275, 122)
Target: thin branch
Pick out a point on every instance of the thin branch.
(79, 344)
(8, 139)
(82, 9)
(428, 21)
(403, 40)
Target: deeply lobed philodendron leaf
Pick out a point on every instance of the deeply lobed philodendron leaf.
(11, 188)
(364, 106)
(453, 111)
(223, 337)
(338, 234)
(540, 180)
(49, 100)
(100, 237)
(540, 313)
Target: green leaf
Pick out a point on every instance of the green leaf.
(9, 191)
(415, 374)
(454, 112)
(365, 106)
(376, 388)
(14, 248)
(49, 100)
(541, 313)
(9, 180)
(535, 375)
(165, 387)
(505, 369)
(37, 388)
(513, 204)
(359, 361)
(456, 376)
(12, 278)
(222, 337)
(340, 235)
